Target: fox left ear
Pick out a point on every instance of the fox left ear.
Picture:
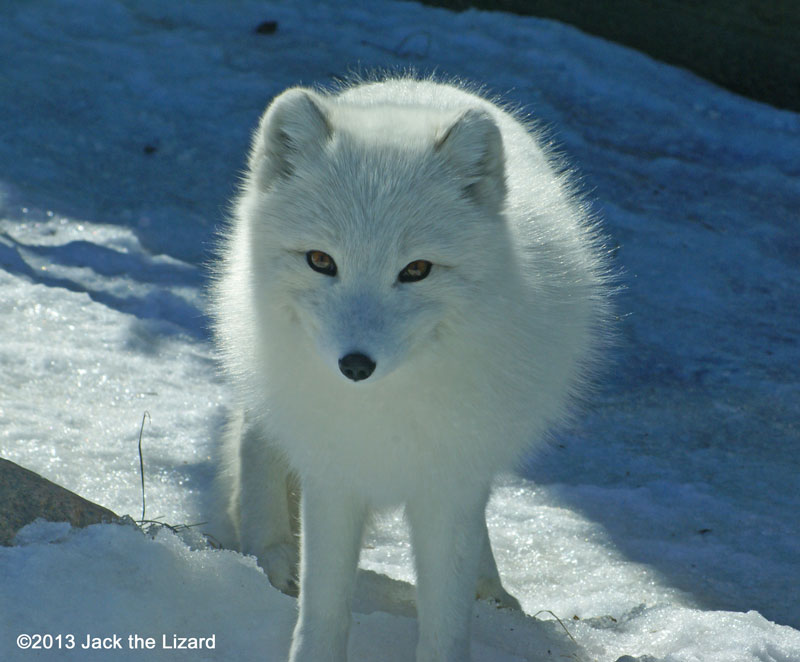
(473, 146)
(294, 126)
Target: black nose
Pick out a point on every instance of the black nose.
(356, 366)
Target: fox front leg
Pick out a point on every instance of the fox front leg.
(447, 538)
(331, 526)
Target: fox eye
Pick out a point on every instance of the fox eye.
(321, 262)
(414, 271)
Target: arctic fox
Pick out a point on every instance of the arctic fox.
(409, 295)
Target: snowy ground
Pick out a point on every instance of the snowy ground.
(667, 524)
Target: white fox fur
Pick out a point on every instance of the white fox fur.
(472, 364)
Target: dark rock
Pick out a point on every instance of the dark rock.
(25, 496)
(267, 27)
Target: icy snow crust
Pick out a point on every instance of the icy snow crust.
(665, 524)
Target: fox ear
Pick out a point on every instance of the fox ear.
(295, 124)
(473, 146)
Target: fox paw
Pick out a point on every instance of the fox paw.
(280, 563)
(493, 591)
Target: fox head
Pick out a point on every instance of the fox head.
(375, 229)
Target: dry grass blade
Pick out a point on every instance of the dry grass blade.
(560, 622)
(141, 459)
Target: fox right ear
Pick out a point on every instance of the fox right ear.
(473, 147)
(294, 125)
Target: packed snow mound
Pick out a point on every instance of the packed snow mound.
(115, 583)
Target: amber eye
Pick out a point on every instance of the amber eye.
(321, 262)
(416, 270)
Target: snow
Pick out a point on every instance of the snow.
(664, 526)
